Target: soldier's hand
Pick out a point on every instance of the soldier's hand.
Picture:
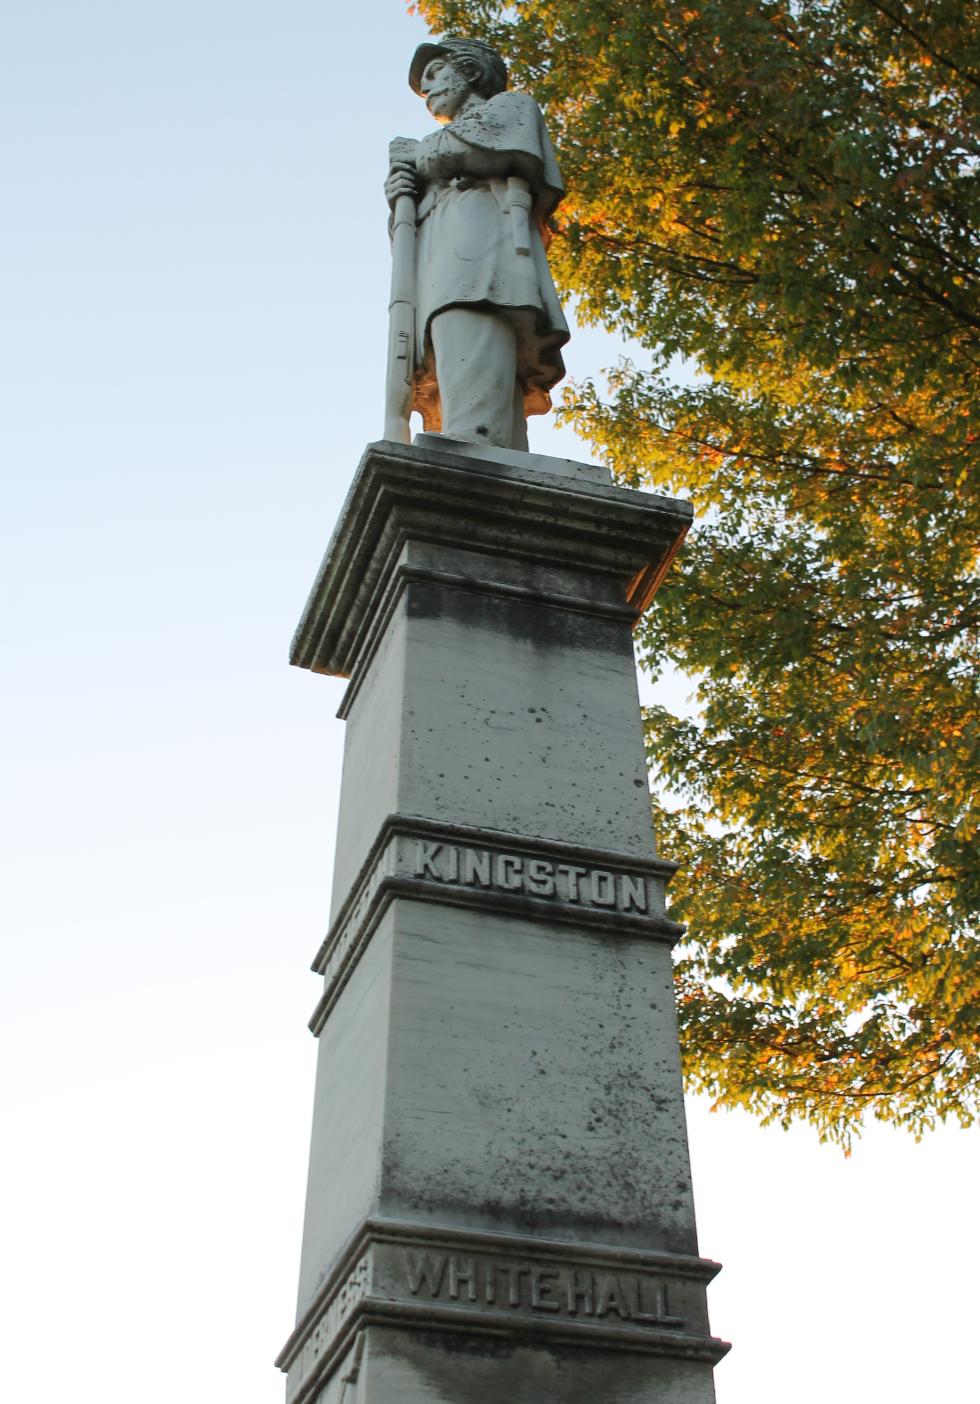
(402, 180)
(402, 175)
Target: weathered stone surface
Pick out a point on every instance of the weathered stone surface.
(420, 1369)
(499, 1180)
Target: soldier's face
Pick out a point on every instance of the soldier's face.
(444, 89)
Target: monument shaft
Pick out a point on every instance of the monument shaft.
(499, 1202)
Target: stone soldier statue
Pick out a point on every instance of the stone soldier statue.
(487, 327)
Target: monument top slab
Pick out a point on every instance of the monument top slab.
(516, 458)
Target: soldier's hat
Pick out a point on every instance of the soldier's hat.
(493, 68)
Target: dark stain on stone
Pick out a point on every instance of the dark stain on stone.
(540, 625)
(470, 1369)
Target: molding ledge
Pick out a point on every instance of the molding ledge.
(549, 1291)
(614, 894)
(402, 492)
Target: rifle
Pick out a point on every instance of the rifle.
(401, 306)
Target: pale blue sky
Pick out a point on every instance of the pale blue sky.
(192, 328)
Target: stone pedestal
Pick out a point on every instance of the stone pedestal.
(499, 1203)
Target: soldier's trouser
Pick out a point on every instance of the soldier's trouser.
(476, 367)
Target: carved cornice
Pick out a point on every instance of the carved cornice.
(401, 492)
(600, 890)
(398, 1273)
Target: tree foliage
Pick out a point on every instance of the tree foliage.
(786, 194)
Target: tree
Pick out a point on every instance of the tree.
(786, 194)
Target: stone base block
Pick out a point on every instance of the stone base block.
(423, 1367)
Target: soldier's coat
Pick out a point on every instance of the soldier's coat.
(465, 252)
